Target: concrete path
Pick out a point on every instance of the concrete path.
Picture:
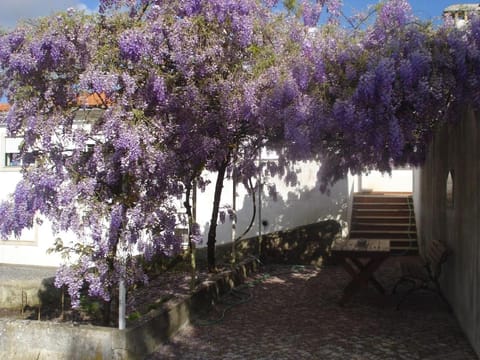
(293, 314)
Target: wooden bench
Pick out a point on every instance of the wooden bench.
(424, 274)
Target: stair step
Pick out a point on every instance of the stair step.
(365, 199)
(385, 238)
(381, 206)
(387, 231)
(403, 203)
(384, 220)
(397, 240)
(382, 212)
(384, 234)
(383, 226)
(400, 217)
(385, 216)
(374, 224)
(385, 194)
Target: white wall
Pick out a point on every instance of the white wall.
(31, 247)
(456, 148)
(294, 206)
(417, 204)
(400, 180)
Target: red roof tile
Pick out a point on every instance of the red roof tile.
(93, 100)
(82, 100)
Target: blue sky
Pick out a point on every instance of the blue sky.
(12, 10)
(424, 9)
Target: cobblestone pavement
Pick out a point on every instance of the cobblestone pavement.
(293, 314)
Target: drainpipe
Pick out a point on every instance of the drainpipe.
(260, 202)
(234, 218)
(122, 297)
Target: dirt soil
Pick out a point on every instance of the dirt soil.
(140, 300)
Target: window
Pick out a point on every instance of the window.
(12, 159)
(12, 156)
(12, 153)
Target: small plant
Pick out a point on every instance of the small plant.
(91, 307)
(134, 316)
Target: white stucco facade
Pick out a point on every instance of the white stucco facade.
(291, 207)
(31, 247)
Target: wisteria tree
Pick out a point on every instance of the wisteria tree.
(106, 178)
(188, 86)
(178, 85)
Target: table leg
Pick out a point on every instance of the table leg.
(361, 276)
(371, 266)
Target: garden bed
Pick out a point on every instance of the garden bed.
(26, 339)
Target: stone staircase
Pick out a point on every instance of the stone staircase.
(385, 216)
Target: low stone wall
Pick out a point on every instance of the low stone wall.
(304, 245)
(25, 339)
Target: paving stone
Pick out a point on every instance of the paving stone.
(294, 315)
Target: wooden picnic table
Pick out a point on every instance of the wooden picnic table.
(361, 258)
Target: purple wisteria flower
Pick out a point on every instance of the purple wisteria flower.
(311, 12)
(134, 45)
(395, 13)
(99, 82)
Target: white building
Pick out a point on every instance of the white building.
(460, 13)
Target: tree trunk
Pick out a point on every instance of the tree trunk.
(212, 233)
(191, 221)
(108, 305)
